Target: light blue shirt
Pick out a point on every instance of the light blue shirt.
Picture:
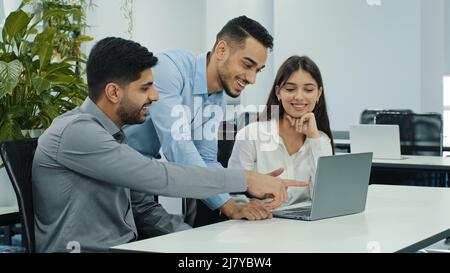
(180, 78)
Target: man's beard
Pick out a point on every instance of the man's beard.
(129, 114)
(223, 81)
(227, 89)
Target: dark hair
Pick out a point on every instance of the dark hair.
(291, 65)
(242, 27)
(116, 60)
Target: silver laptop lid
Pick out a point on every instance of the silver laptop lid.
(382, 140)
(341, 185)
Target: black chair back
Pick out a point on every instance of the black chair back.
(428, 134)
(227, 133)
(420, 134)
(18, 160)
(404, 121)
(368, 115)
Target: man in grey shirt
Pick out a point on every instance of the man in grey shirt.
(88, 183)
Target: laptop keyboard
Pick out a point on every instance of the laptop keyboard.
(296, 211)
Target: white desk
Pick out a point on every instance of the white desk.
(415, 162)
(8, 210)
(344, 144)
(9, 215)
(396, 219)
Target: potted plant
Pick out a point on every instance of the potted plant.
(41, 68)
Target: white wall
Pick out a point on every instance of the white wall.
(433, 56)
(164, 24)
(447, 37)
(106, 19)
(369, 56)
(2, 14)
(158, 24)
(218, 13)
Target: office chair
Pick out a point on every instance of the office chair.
(18, 159)
(368, 115)
(428, 134)
(428, 141)
(404, 121)
(420, 134)
(398, 176)
(227, 133)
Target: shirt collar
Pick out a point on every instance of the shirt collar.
(201, 82)
(270, 129)
(90, 107)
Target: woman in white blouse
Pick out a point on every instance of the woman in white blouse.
(295, 131)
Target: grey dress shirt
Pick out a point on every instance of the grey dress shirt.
(87, 183)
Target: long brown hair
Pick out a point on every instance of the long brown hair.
(291, 65)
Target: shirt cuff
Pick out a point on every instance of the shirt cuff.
(216, 201)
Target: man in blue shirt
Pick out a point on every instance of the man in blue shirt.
(190, 84)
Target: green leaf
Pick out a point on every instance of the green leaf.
(41, 85)
(16, 23)
(45, 54)
(50, 111)
(9, 129)
(9, 76)
(8, 57)
(57, 67)
(47, 35)
(62, 12)
(42, 42)
(18, 111)
(60, 79)
(84, 38)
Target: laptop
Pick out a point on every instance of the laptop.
(382, 140)
(340, 188)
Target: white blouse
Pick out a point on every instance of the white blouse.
(258, 147)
